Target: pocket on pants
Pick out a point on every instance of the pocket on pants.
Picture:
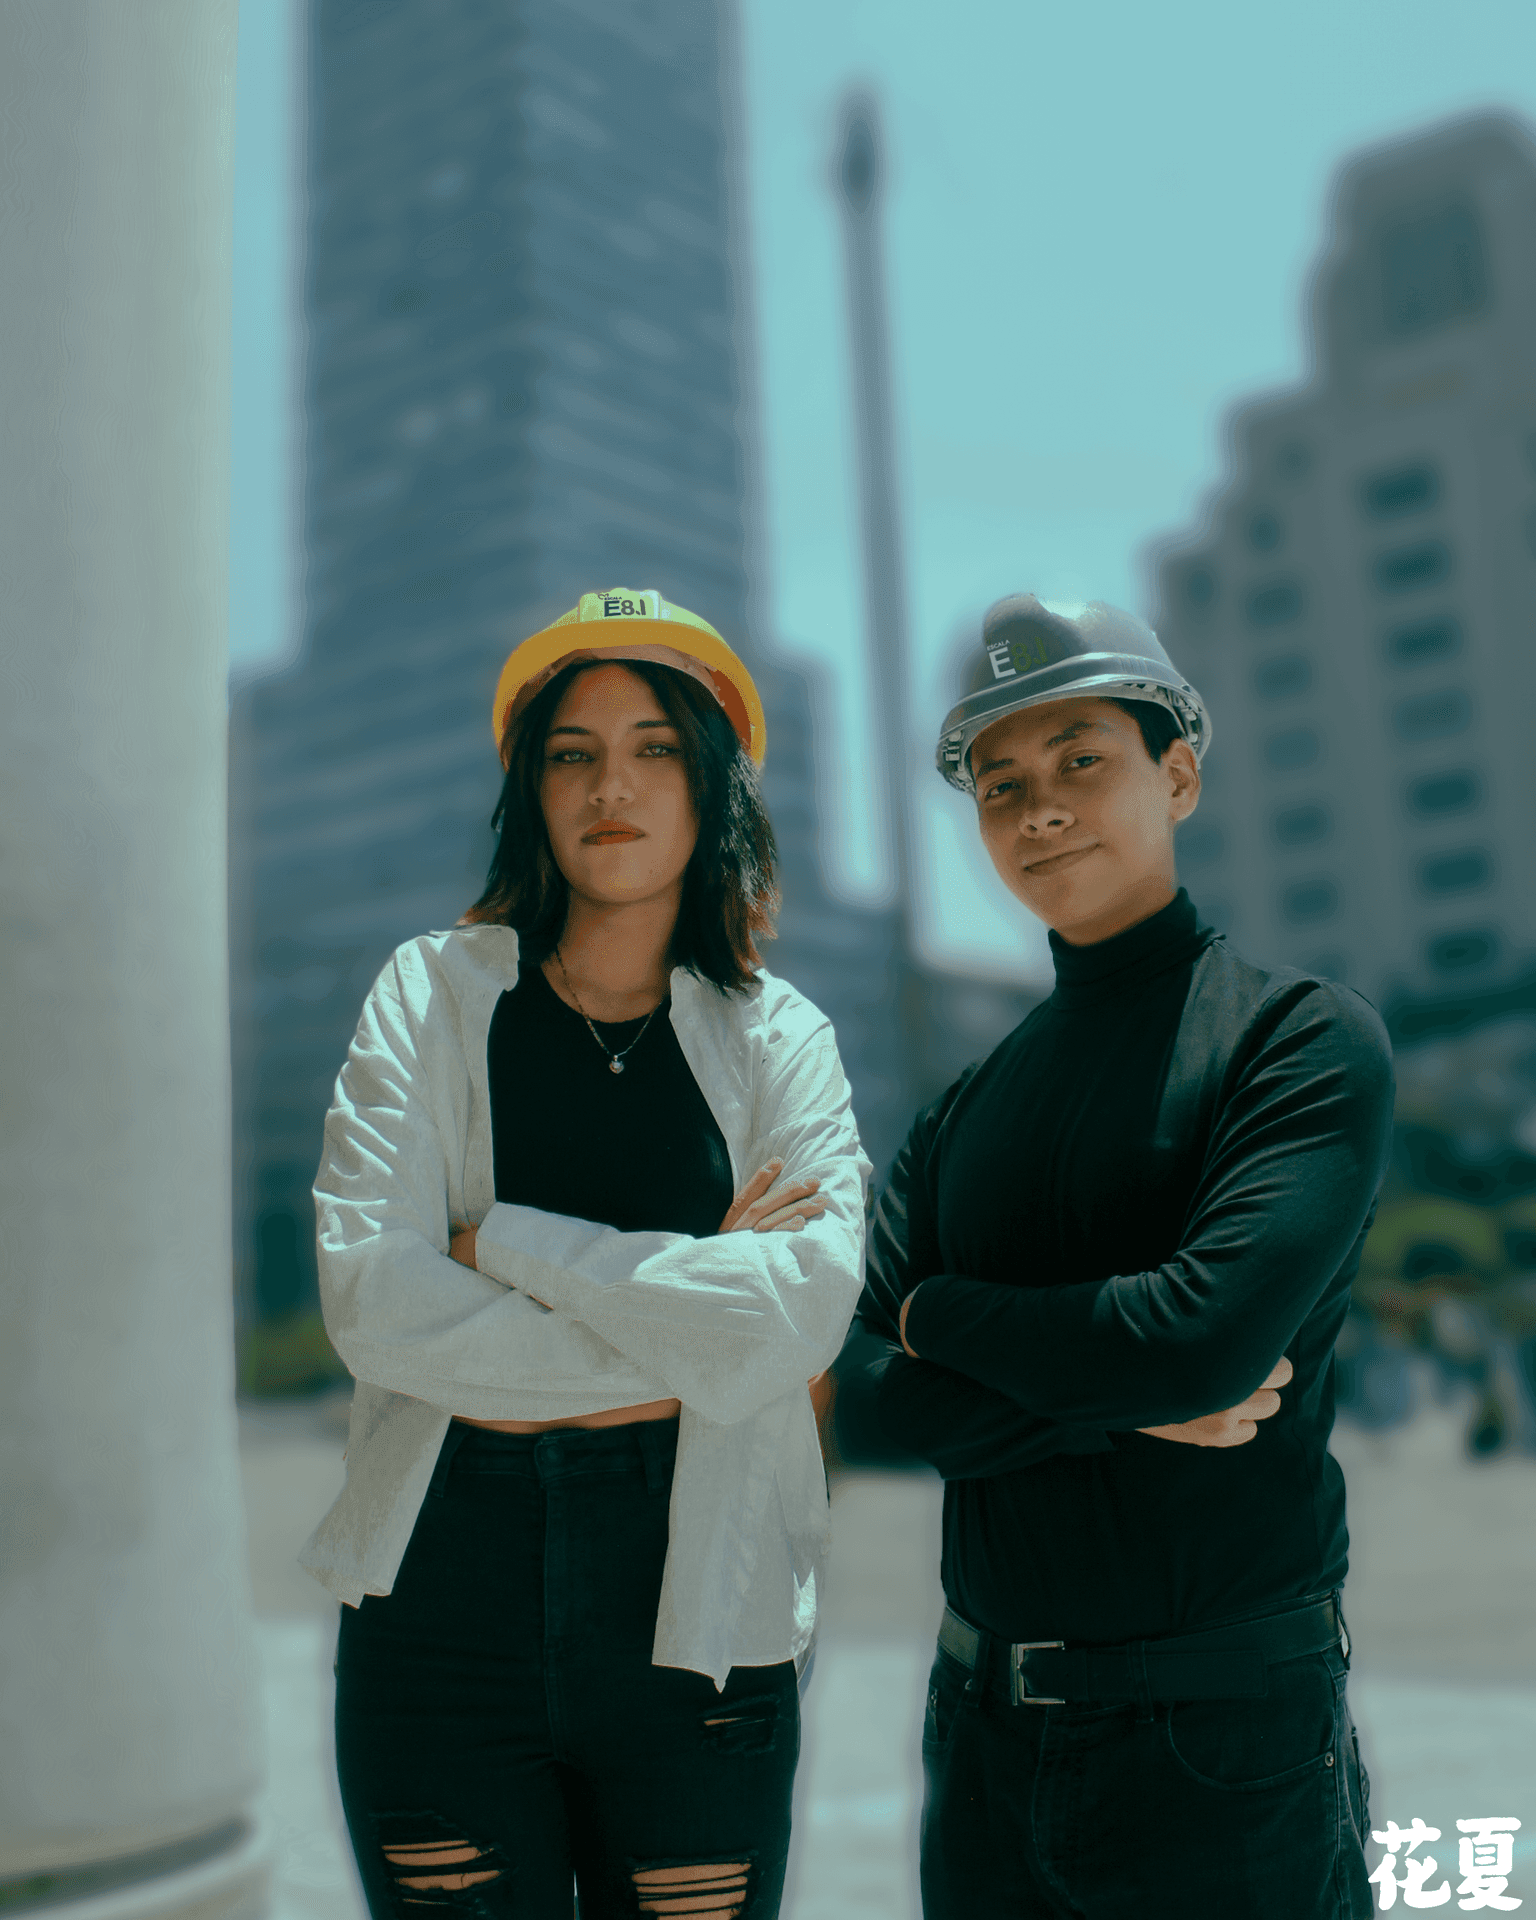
(1247, 1745)
(946, 1695)
(1359, 1781)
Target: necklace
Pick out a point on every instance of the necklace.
(615, 1060)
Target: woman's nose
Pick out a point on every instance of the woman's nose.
(611, 782)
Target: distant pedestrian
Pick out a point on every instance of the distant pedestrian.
(590, 1217)
(1148, 1202)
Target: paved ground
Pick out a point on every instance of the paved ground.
(1439, 1603)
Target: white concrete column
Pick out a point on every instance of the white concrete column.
(129, 1704)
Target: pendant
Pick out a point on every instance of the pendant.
(615, 1066)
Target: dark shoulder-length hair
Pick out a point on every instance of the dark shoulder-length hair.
(729, 893)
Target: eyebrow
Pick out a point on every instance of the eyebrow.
(587, 730)
(1056, 740)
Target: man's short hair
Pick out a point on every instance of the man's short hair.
(1159, 728)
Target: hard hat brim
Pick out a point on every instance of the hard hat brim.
(1084, 677)
(545, 652)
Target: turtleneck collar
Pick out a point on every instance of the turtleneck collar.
(1169, 938)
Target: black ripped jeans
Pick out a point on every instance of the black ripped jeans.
(1200, 1810)
(499, 1722)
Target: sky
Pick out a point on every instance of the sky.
(1100, 224)
(262, 575)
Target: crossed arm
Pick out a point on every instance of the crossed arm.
(1229, 1427)
(980, 1378)
(760, 1207)
(725, 1324)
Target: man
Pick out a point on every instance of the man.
(1147, 1203)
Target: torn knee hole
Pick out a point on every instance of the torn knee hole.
(428, 1856)
(429, 1862)
(710, 1890)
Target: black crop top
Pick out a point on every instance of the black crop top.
(636, 1150)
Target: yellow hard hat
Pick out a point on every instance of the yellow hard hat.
(627, 623)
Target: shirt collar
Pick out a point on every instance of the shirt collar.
(1168, 938)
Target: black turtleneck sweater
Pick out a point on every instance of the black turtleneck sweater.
(1154, 1187)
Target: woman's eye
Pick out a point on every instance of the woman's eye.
(563, 756)
(655, 749)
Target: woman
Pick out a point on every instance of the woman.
(585, 1507)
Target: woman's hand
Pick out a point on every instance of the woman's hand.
(1235, 1425)
(761, 1207)
(823, 1395)
(461, 1247)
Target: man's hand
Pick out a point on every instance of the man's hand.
(901, 1325)
(1237, 1424)
(761, 1207)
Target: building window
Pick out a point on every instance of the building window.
(1402, 490)
(1305, 826)
(1462, 871)
(1432, 271)
(1309, 901)
(1432, 716)
(1274, 605)
(1293, 461)
(1407, 569)
(1460, 952)
(1429, 640)
(1440, 793)
(1199, 587)
(1265, 533)
(1295, 747)
(1199, 845)
(1282, 678)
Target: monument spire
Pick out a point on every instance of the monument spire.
(859, 179)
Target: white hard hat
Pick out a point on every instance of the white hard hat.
(1032, 653)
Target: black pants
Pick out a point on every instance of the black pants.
(1203, 1810)
(499, 1722)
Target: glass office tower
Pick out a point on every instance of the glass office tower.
(528, 374)
(1359, 608)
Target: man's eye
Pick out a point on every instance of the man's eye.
(1084, 760)
(1002, 786)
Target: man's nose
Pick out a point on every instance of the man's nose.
(1043, 813)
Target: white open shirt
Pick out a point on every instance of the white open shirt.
(732, 1326)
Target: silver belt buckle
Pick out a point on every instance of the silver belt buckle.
(1017, 1691)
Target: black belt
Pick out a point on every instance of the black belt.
(1222, 1663)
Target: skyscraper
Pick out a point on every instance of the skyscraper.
(1359, 608)
(528, 374)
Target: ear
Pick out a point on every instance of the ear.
(1182, 771)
